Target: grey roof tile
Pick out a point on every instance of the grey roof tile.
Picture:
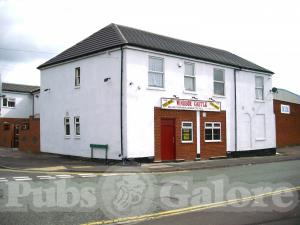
(114, 35)
(19, 88)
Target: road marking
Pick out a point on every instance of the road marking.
(64, 176)
(52, 168)
(81, 167)
(98, 173)
(46, 177)
(190, 209)
(87, 175)
(22, 178)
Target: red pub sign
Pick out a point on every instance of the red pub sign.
(187, 104)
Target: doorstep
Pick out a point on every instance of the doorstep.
(218, 157)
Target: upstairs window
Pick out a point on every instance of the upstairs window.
(9, 102)
(212, 131)
(77, 77)
(156, 72)
(77, 125)
(219, 82)
(189, 77)
(259, 88)
(67, 126)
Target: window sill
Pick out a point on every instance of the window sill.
(260, 139)
(212, 141)
(67, 137)
(7, 107)
(156, 89)
(190, 92)
(219, 96)
(259, 101)
(77, 137)
(187, 142)
(77, 87)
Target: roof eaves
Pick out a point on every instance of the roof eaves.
(202, 59)
(76, 57)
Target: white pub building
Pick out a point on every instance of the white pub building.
(150, 96)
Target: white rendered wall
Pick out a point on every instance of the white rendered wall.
(248, 108)
(23, 107)
(141, 100)
(96, 102)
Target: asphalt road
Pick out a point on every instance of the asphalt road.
(42, 198)
(232, 216)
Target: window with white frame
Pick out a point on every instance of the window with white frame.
(67, 126)
(187, 132)
(259, 88)
(77, 77)
(219, 82)
(9, 102)
(189, 77)
(285, 109)
(156, 72)
(212, 131)
(77, 125)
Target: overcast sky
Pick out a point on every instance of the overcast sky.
(266, 32)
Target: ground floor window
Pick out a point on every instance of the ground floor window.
(67, 126)
(187, 132)
(9, 102)
(212, 131)
(77, 125)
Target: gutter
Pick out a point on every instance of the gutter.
(135, 46)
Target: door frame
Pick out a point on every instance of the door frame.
(174, 128)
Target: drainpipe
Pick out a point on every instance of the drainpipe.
(121, 108)
(235, 112)
(32, 105)
(235, 109)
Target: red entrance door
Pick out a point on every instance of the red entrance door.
(167, 139)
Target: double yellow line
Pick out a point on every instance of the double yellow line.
(190, 209)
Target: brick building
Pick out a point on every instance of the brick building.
(287, 112)
(19, 117)
(152, 96)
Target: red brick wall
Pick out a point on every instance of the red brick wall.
(7, 136)
(287, 125)
(213, 149)
(186, 151)
(30, 139)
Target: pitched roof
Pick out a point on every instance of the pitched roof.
(115, 35)
(287, 96)
(19, 88)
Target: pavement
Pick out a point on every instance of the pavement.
(12, 159)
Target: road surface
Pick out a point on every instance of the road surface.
(252, 194)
